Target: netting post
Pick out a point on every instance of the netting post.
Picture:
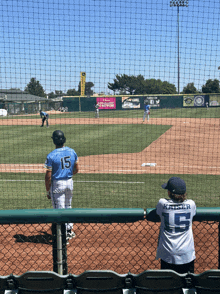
(54, 241)
(59, 248)
(64, 251)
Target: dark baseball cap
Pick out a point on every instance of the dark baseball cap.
(175, 185)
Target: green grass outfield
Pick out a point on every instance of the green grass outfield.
(211, 112)
(31, 144)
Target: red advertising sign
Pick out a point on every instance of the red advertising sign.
(106, 102)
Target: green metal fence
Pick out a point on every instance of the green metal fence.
(122, 240)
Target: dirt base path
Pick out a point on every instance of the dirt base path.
(190, 146)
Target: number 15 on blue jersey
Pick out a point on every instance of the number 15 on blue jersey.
(65, 162)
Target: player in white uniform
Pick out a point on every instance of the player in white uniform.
(176, 243)
(146, 112)
(61, 165)
(96, 110)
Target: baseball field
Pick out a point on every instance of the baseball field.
(113, 151)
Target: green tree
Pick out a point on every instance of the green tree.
(88, 88)
(168, 88)
(211, 86)
(137, 85)
(153, 86)
(51, 95)
(34, 87)
(189, 89)
(59, 93)
(72, 92)
(127, 84)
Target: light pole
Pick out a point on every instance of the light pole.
(178, 3)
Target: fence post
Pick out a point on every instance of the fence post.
(64, 249)
(59, 250)
(54, 242)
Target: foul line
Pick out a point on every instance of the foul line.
(110, 182)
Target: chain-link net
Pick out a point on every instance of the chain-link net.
(63, 57)
(119, 247)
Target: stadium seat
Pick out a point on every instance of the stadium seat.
(91, 282)
(159, 281)
(7, 284)
(207, 282)
(44, 282)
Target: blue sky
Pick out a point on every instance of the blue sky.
(54, 40)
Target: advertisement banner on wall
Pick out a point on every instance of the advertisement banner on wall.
(106, 102)
(188, 101)
(153, 101)
(194, 101)
(214, 100)
(128, 102)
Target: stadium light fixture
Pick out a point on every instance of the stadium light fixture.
(178, 4)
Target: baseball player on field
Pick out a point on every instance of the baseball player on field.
(61, 164)
(44, 116)
(96, 110)
(176, 243)
(146, 112)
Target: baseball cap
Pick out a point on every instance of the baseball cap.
(175, 185)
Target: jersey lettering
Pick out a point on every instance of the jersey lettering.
(176, 206)
(181, 222)
(65, 162)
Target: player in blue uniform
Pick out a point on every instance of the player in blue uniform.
(146, 112)
(176, 244)
(61, 164)
(44, 116)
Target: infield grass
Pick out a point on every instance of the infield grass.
(27, 191)
(31, 144)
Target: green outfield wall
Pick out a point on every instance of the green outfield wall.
(133, 102)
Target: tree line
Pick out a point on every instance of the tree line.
(35, 88)
(127, 85)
